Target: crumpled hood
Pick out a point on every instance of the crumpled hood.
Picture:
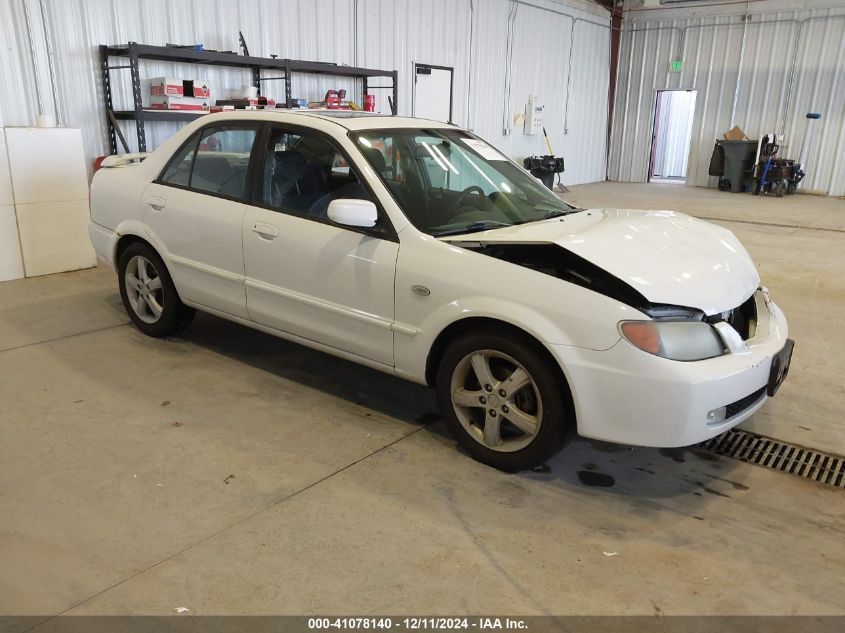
(668, 257)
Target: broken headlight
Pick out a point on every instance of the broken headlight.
(676, 340)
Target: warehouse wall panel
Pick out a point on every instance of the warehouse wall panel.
(501, 51)
(561, 54)
(762, 73)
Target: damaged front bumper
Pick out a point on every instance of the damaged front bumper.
(627, 396)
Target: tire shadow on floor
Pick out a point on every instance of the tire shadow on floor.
(357, 384)
(584, 465)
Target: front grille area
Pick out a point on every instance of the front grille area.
(740, 318)
(735, 408)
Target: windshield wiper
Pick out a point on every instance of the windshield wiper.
(472, 228)
(555, 214)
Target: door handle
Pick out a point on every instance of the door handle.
(157, 202)
(265, 230)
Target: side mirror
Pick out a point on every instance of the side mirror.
(351, 212)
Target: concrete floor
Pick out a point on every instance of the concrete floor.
(229, 472)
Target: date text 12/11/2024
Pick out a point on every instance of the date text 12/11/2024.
(416, 623)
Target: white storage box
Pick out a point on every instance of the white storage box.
(11, 264)
(50, 186)
(7, 198)
(54, 237)
(47, 164)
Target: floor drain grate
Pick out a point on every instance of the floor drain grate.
(803, 227)
(788, 458)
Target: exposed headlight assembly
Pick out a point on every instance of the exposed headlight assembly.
(676, 340)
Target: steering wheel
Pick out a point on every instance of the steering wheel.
(469, 191)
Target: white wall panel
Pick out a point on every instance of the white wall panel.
(543, 36)
(17, 98)
(742, 71)
(397, 33)
(472, 36)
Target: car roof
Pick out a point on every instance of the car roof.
(349, 119)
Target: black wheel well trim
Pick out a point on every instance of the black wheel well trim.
(126, 240)
(480, 324)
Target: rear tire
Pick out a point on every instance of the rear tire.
(148, 293)
(504, 400)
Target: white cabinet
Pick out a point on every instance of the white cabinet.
(50, 187)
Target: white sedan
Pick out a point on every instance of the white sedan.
(418, 249)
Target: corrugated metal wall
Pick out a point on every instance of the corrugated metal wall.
(542, 39)
(742, 70)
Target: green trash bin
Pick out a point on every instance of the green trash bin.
(739, 159)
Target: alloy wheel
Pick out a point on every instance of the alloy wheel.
(496, 400)
(143, 289)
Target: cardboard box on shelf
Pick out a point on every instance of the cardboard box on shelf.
(180, 87)
(171, 102)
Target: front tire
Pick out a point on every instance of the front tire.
(504, 400)
(148, 293)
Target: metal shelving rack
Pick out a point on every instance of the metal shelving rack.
(135, 52)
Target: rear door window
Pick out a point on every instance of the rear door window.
(215, 160)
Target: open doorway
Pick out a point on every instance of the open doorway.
(670, 139)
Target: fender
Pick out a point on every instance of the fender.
(132, 227)
(105, 240)
(536, 303)
(412, 345)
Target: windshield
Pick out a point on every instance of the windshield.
(449, 182)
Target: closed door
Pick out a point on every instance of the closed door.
(195, 211)
(433, 92)
(304, 274)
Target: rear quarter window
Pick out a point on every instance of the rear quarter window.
(215, 160)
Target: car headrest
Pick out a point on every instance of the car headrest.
(376, 158)
(289, 159)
